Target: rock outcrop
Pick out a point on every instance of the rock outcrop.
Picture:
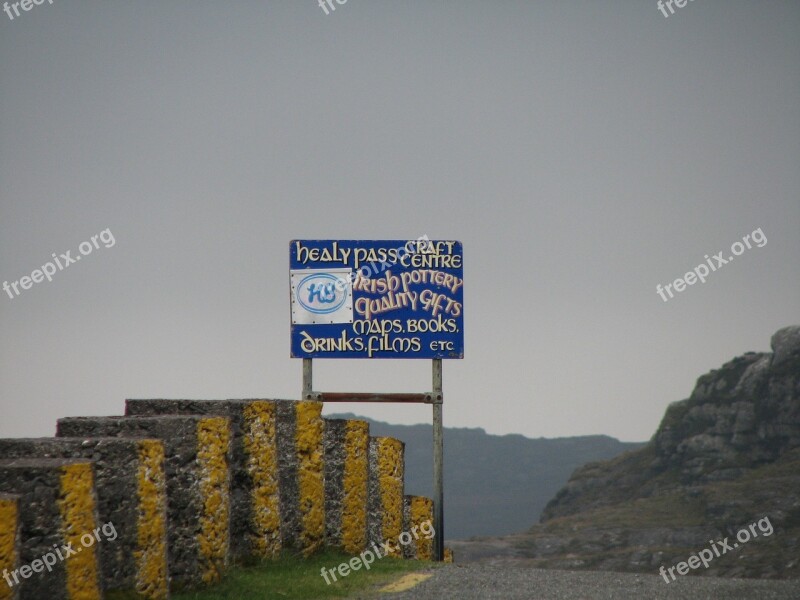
(721, 460)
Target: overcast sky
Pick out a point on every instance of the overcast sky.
(583, 152)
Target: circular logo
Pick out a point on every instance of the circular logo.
(321, 293)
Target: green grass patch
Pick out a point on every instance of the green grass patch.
(290, 577)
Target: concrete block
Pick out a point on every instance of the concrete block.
(255, 493)
(300, 430)
(59, 528)
(386, 491)
(418, 522)
(130, 484)
(197, 470)
(346, 446)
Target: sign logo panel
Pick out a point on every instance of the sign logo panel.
(322, 296)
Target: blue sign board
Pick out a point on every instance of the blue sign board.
(377, 298)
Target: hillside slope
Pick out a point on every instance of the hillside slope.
(725, 458)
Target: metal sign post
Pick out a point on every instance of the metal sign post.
(308, 379)
(438, 462)
(380, 299)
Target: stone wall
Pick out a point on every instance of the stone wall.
(386, 490)
(277, 489)
(197, 458)
(131, 494)
(255, 498)
(57, 508)
(346, 483)
(189, 486)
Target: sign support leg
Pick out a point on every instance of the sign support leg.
(438, 462)
(307, 378)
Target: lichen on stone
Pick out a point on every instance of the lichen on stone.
(9, 524)
(390, 477)
(309, 445)
(76, 504)
(152, 580)
(354, 510)
(262, 467)
(213, 441)
(422, 512)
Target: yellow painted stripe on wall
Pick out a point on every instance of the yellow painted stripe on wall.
(9, 526)
(309, 433)
(421, 510)
(152, 579)
(262, 466)
(77, 507)
(390, 478)
(354, 503)
(213, 437)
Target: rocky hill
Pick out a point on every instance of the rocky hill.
(725, 458)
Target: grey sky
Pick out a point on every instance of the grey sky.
(583, 152)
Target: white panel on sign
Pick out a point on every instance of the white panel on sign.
(322, 296)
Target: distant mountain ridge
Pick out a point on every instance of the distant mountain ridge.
(721, 460)
(494, 484)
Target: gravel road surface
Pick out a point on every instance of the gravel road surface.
(515, 582)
